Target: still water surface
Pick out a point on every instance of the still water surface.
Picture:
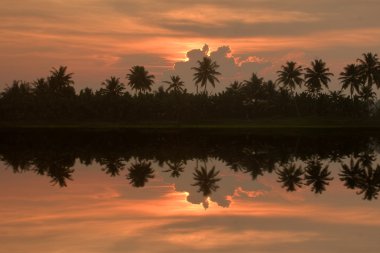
(118, 192)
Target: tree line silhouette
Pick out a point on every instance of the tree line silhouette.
(298, 91)
(298, 161)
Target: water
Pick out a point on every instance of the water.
(204, 192)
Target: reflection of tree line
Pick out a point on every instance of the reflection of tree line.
(360, 174)
(297, 163)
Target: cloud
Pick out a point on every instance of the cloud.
(231, 67)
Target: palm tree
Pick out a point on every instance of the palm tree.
(140, 79)
(290, 75)
(316, 76)
(206, 180)
(369, 69)
(175, 84)
(235, 87)
(367, 94)
(41, 86)
(113, 87)
(206, 72)
(350, 78)
(18, 91)
(59, 79)
(290, 177)
(252, 89)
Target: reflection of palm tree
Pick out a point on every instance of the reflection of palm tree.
(366, 159)
(206, 72)
(350, 174)
(16, 162)
(369, 182)
(290, 177)
(316, 76)
(140, 79)
(206, 180)
(112, 165)
(175, 84)
(60, 174)
(175, 168)
(59, 168)
(316, 176)
(112, 87)
(140, 173)
(254, 171)
(350, 78)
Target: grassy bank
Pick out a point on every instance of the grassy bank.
(282, 123)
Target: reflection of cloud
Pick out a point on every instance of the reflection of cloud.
(97, 213)
(229, 185)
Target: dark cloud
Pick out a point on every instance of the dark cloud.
(298, 17)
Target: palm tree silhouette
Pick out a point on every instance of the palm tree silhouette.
(316, 76)
(291, 177)
(367, 94)
(40, 86)
(317, 177)
(175, 168)
(350, 174)
(369, 69)
(59, 80)
(140, 79)
(235, 87)
(17, 91)
(206, 180)
(252, 89)
(350, 78)
(140, 173)
(175, 84)
(112, 87)
(290, 75)
(206, 72)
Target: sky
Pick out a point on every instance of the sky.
(97, 39)
(99, 214)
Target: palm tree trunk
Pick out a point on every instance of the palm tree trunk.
(295, 103)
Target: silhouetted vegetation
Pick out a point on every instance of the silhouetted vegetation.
(298, 92)
(297, 160)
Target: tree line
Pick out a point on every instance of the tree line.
(297, 92)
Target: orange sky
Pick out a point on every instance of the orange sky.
(99, 38)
